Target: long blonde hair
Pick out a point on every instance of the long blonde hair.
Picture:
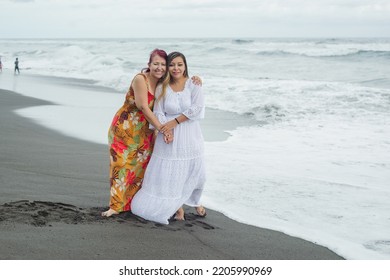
(165, 83)
(168, 79)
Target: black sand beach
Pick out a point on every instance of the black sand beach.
(54, 187)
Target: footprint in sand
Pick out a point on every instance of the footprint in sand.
(45, 213)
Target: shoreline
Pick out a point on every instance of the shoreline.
(54, 187)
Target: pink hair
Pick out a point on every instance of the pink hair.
(155, 52)
(158, 52)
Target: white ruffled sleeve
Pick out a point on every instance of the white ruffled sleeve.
(197, 108)
(158, 108)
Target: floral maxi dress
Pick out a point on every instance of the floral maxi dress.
(131, 143)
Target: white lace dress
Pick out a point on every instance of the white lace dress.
(175, 174)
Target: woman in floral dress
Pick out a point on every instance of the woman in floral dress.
(129, 137)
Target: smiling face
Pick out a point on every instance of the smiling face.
(157, 66)
(177, 68)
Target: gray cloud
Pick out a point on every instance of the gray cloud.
(210, 18)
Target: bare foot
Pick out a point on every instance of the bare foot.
(180, 214)
(109, 213)
(201, 211)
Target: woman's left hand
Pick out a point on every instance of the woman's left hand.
(196, 80)
(168, 137)
(168, 126)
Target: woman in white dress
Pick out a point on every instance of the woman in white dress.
(176, 172)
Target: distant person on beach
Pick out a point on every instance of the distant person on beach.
(176, 173)
(130, 138)
(16, 66)
(1, 66)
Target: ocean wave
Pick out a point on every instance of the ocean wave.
(328, 54)
(29, 53)
(268, 113)
(277, 53)
(217, 49)
(357, 53)
(379, 82)
(373, 53)
(278, 102)
(242, 41)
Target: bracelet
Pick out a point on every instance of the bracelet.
(177, 121)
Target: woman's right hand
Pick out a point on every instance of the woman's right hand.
(168, 136)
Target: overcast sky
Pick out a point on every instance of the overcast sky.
(193, 18)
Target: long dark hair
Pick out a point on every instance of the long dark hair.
(168, 79)
(172, 56)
